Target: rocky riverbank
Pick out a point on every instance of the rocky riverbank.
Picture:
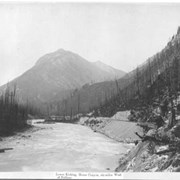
(160, 153)
(145, 158)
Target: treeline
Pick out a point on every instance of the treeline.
(13, 116)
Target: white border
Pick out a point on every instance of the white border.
(55, 175)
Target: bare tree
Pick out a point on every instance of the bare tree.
(78, 105)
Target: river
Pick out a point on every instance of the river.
(60, 147)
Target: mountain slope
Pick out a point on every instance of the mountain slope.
(150, 82)
(139, 84)
(112, 71)
(56, 74)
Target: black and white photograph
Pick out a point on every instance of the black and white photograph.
(89, 90)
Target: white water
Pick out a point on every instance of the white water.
(60, 147)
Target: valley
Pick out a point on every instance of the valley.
(69, 114)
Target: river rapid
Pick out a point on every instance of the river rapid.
(60, 147)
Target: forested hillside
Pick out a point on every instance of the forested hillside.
(159, 76)
(13, 116)
(87, 98)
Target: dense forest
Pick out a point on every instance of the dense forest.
(13, 115)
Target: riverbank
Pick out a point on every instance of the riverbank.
(141, 157)
(159, 147)
(159, 153)
(120, 129)
(18, 137)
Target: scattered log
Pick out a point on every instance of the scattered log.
(149, 125)
(138, 135)
(5, 149)
(2, 150)
(151, 138)
(166, 151)
(136, 142)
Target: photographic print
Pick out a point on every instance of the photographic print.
(89, 90)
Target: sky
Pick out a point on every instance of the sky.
(120, 35)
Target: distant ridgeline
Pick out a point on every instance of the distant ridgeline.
(13, 116)
(141, 87)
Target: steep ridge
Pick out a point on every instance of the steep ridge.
(147, 81)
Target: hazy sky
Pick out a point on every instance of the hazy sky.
(121, 35)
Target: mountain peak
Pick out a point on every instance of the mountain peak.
(61, 50)
(50, 57)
